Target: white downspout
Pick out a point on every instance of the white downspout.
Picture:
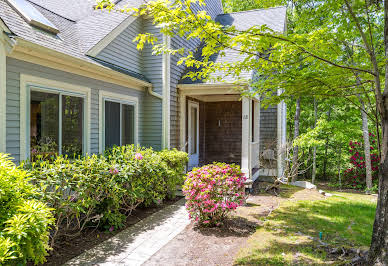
(166, 94)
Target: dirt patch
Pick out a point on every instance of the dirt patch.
(219, 246)
(67, 249)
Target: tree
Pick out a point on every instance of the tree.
(295, 166)
(365, 133)
(314, 172)
(309, 61)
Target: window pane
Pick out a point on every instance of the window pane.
(194, 131)
(44, 123)
(128, 125)
(112, 124)
(72, 125)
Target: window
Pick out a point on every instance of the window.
(32, 15)
(119, 124)
(56, 123)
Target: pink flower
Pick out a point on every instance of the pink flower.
(206, 222)
(138, 156)
(114, 171)
(111, 229)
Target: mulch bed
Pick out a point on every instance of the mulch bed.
(220, 245)
(67, 249)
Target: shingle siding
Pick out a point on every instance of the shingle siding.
(17, 67)
(268, 128)
(213, 8)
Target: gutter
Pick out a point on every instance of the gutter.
(155, 94)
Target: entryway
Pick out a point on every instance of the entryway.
(193, 134)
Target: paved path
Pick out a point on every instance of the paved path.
(138, 243)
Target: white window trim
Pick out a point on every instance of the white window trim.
(28, 81)
(122, 99)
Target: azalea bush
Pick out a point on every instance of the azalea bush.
(24, 220)
(213, 191)
(355, 176)
(102, 190)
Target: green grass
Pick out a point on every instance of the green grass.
(345, 220)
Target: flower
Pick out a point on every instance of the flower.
(111, 229)
(114, 171)
(138, 156)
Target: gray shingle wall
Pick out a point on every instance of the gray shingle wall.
(16, 67)
(213, 8)
(268, 128)
(122, 51)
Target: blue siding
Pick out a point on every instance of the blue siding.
(17, 67)
(122, 51)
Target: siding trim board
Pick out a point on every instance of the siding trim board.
(3, 95)
(123, 99)
(28, 81)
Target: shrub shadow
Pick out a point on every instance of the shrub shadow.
(232, 227)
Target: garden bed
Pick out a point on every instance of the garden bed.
(67, 249)
(220, 245)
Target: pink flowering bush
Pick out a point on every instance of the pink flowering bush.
(355, 176)
(213, 191)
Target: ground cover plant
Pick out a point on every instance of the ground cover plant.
(291, 234)
(24, 220)
(213, 191)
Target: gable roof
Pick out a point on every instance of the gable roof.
(80, 26)
(274, 18)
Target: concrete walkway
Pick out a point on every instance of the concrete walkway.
(138, 243)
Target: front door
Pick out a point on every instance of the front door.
(193, 134)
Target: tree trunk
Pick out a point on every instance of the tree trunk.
(326, 146)
(295, 168)
(339, 165)
(314, 173)
(365, 133)
(378, 253)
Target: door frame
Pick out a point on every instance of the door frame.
(191, 104)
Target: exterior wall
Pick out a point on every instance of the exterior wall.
(122, 51)
(214, 8)
(222, 132)
(146, 129)
(152, 69)
(268, 128)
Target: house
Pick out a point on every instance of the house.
(73, 82)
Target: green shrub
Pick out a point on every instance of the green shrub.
(176, 162)
(24, 221)
(103, 190)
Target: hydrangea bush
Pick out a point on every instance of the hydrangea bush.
(213, 191)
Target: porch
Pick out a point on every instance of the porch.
(217, 124)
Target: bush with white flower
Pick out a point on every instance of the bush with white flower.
(213, 191)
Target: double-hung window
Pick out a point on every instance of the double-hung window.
(57, 120)
(119, 123)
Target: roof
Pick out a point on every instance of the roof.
(80, 26)
(274, 18)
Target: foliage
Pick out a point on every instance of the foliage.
(213, 191)
(354, 176)
(24, 221)
(101, 191)
(288, 236)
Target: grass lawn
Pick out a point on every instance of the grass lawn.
(290, 234)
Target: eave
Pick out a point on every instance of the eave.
(37, 54)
